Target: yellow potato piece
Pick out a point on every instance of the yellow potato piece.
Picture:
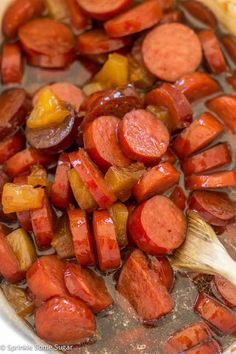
(119, 214)
(23, 247)
(21, 197)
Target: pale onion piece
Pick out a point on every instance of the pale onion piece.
(225, 11)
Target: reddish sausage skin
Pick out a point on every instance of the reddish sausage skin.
(215, 180)
(82, 238)
(71, 318)
(161, 266)
(229, 43)
(61, 192)
(210, 347)
(217, 156)
(226, 290)
(46, 36)
(216, 314)
(9, 265)
(178, 197)
(92, 178)
(69, 93)
(58, 61)
(43, 224)
(49, 272)
(97, 42)
(212, 51)
(78, 18)
(11, 145)
(14, 106)
(232, 80)
(23, 217)
(178, 106)
(187, 338)
(172, 16)
(22, 161)
(116, 102)
(197, 85)
(12, 65)
(215, 207)
(157, 226)
(142, 136)
(156, 181)
(100, 140)
(87, 286)
(104, 9)
(201, 12)
(225, 108)
(133, 20)
(140, 286)
(168, 41)
(199, 134)
(19, 12)
(105, 238)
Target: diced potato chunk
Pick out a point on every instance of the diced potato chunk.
(38, 176)
(18, 299)
(23, 247)
(119, 214)
(81, 193)
(162, 114)
(21, 197)
(62, 240)
(122, 179)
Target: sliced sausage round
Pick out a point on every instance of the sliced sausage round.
(136, 19)
(45, 278)
(12, 65)
(162, 267)
(87, 286)
(212, 51)
(179, 108)
(11, 145)
(201, 12)
(54, 139)
(111, 103)
(220, 179)
(97, 42)
(215, 207)
(104, 9)
(101, 142)
(19, 12)
(14, 106)
(226, 289)
(171, 51)
(46, 36)
(142, 136)
(157, 226)
(64, 320)
(58, 61)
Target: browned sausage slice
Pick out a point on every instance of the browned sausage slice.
(226, 290)
(14, 107)
(87, 286)
(212, 51)
(64, 320)
(19, 12)
(136, 19)
(140, 286)
(157, 226)
(156, 181)
(197, 85)
(215, 207)
(100, 140)
(171, 51)
(178, 106)
(104, 9)
(12, 65)
(142, 136)
(46, 36)
(97, 42)
(201, 12)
